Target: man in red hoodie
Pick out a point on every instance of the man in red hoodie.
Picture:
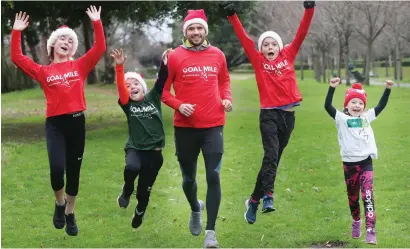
(279, 94)
(199, 75)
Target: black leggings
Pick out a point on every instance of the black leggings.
(189, 142)
(145, 164)
(276, 126)
(65, 135)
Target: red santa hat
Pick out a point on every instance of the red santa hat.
(197, 17)
(272, 35)
(63, 30)
(355, 92)
(138, 77)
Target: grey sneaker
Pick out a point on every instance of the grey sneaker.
(210, 240)
(195, 221)
(123, 199)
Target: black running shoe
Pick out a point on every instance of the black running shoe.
(137, 218)
(71, 227)
(123, 199)
(59, 217)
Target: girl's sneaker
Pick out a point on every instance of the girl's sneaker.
(356, 231)
(371, 236)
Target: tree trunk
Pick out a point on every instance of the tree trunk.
(368, 62)
(339, 61)
(346, 61)
(5, 70)
(88, 40)
(316, 67)
(386, 65)
(32, 40)
(109, 71)
(395, 64)
(398, 62)
(23, 80)
(324, 66)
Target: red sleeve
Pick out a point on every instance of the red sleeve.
(122, 89)
(167, 97)
(302, 31)
(88, 61)
(224, 81)
(247, 43)
(23, 62)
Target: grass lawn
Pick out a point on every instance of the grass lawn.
(303, 216)
(380, 71)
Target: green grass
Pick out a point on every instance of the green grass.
(380, 71)
(303, 217)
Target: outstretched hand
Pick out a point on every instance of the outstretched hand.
(21, 21)
(228, 7)
(93, 13)
(334, 82)
(309, 4)
(118, 56)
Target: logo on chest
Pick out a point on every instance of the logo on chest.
(143, 111)
(360, 124)
(202, 72)
(63, 79)
(276, 68)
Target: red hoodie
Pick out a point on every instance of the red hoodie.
(276, 79)
(201, 78)
(62, 83)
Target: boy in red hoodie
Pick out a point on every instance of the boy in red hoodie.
(199, 75)
(279, 94)
(63, 85)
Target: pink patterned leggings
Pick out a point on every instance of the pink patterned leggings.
(359, 177)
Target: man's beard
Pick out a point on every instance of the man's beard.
(197, 43)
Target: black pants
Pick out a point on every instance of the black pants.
(65, 135)
(145, 164)
(276, 126)
(188, 143)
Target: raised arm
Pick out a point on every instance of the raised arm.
(303, 27)
(329, 97)
(93, 56)
(247, 43)
(384, 99)
(23, 62)
(163, 72)
(119, 75)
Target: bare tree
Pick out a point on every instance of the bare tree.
(322, 37)
(275, 16)
(372, 18)
(341, 14)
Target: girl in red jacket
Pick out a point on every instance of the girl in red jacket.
(279, 94)
(63, 85)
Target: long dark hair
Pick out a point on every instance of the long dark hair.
(345, 111)
(51, 56)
